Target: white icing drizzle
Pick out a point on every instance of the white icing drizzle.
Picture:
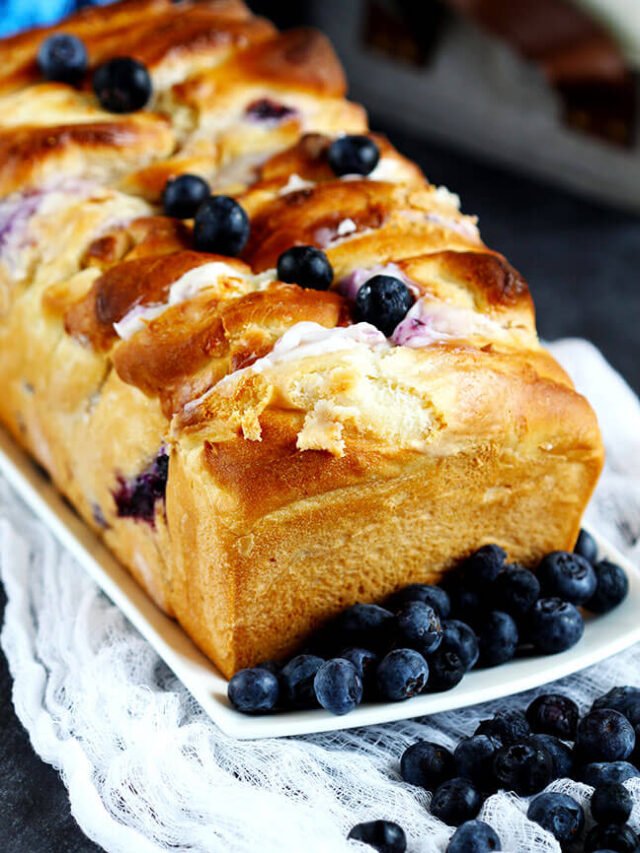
(430, 321)
(388, 169)
(351, 284)
(302, 340)
(347, 226)
(445, 196)
(241, 170)
(294, 184)
(329, 236)
(186, 287)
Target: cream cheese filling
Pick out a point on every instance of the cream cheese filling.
(188, 286)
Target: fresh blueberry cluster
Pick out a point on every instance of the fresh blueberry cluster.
(221, 226)
(523, 752)
(424, 638)
(122, 84)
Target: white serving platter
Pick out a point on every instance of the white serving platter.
(604, 635)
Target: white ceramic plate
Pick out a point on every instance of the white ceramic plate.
(604, 635)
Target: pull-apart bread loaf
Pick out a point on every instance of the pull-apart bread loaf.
(261, 453)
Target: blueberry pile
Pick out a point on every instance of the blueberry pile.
(424, 639)
(523, 752)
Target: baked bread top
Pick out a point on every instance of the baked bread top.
(277, 386)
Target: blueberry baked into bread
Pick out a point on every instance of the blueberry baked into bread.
(268, 362)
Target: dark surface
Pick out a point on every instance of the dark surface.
(34, 808)
(582, 263)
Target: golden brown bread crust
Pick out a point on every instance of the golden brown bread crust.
(220, 52)
(218, 336)
(32, 156)
(152, 31)
(255, 458)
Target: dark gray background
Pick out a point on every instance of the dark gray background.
(582, 263)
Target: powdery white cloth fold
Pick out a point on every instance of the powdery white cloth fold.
(146, 770)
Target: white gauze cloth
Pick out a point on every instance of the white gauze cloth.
(146, 770)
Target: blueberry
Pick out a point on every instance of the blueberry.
(427, 765)
(446, 669)
(480, 569)
(635, 755)
(555, 625)
(63, 58)
(473, 758)
(626, 700)
(383, 301)
(383, 835)
(366, 663)
(456, 801)
(459, 636)
(221, 226)
(474, 836)
(435, 596)
(506, 726)
(605, 735)
(497, 638)
(561, 754)
(559, 814)
(515, 590)
(612, 587)
(365, 625)
(137, 497)
(305, 266)
(523, 767)
(338, 686)
(586, 547)
(270, 665)
(467, 604)
(567, 576)
(296, 681)
(418, 627)
(622, 839)
(353, 155)
(403, 673)
(604, 772)
(554, 714)
(254, 691)
(122, 85)
(183, 195)
(611, 803)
